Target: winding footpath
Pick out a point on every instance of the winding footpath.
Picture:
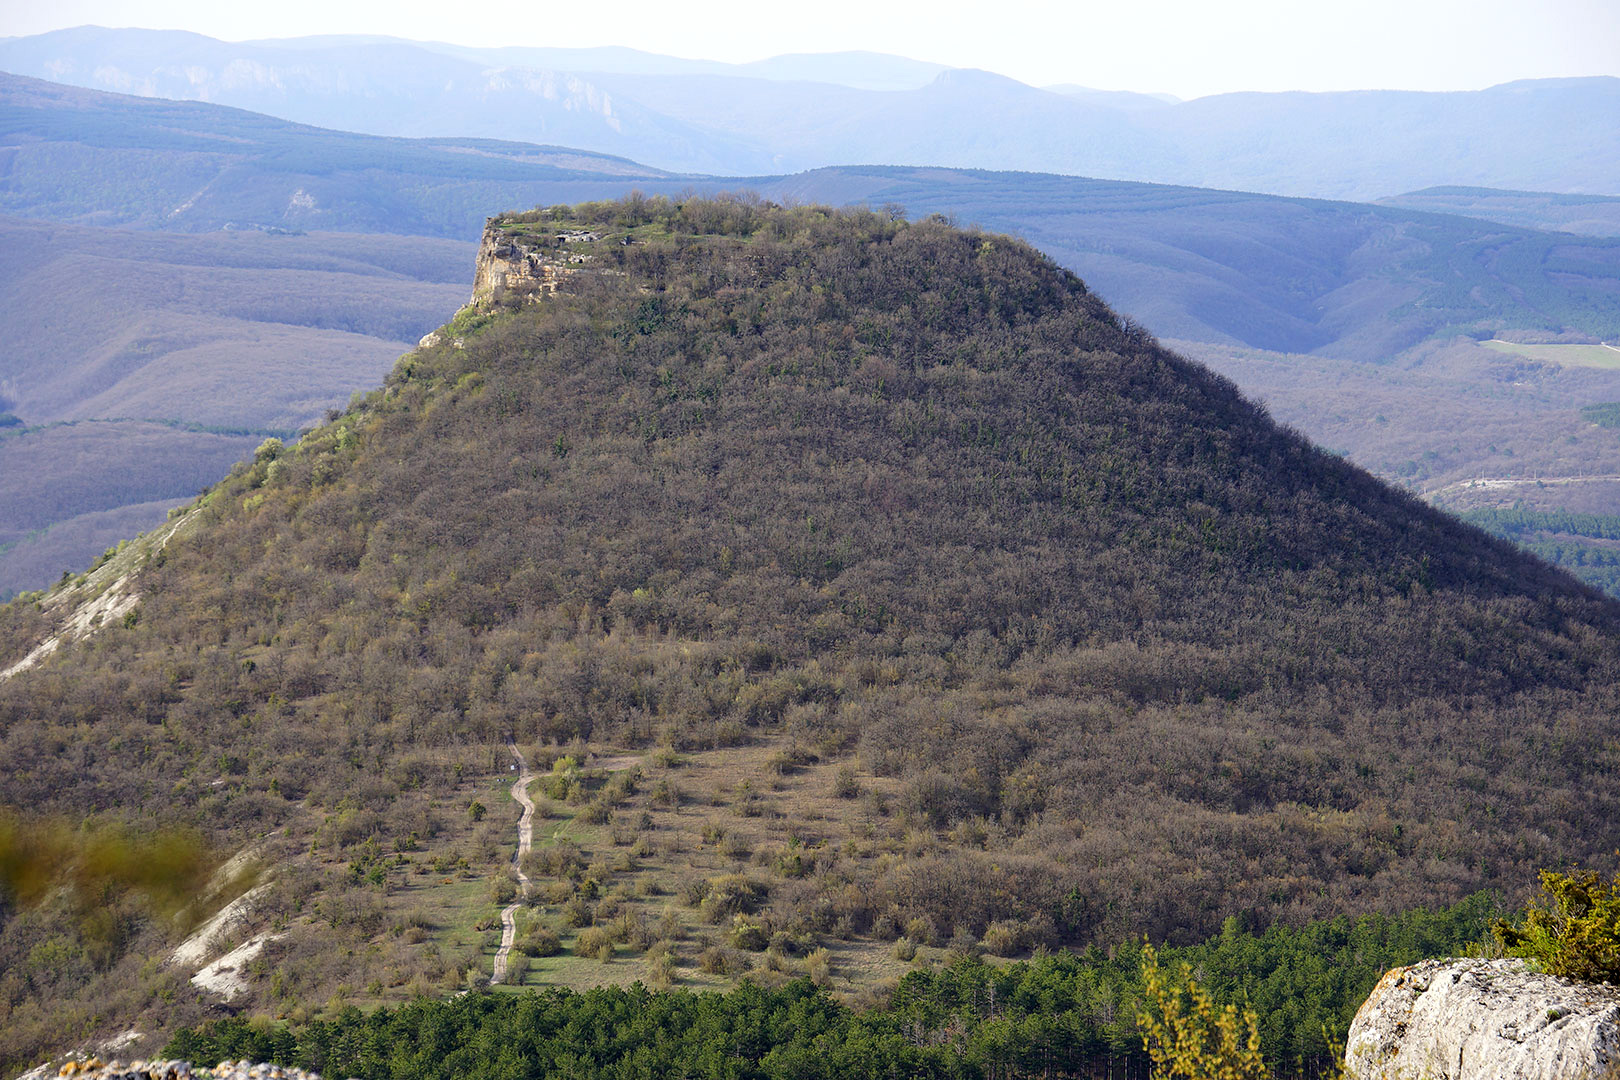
(520, 792)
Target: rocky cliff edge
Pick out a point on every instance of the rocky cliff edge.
(1484, 1020)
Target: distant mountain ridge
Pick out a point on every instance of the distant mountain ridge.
(99, 158)
(381, 88)
(1281, 274)
(799, 112)
(860, 69)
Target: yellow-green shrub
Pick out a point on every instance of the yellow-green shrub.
(1188, 1036)
(1574, 931)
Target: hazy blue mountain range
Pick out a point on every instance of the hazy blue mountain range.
(855, 68)
(383, 87)
(95, 158)
(800, 112)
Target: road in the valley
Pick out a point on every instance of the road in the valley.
(1501, 483)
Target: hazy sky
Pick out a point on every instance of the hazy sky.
(1184, 47)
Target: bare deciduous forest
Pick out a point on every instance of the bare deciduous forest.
(898, 514)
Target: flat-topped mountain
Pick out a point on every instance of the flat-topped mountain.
(844, 577)
(1281, 274)
(1410, 291)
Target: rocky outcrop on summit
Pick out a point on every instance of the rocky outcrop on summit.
(1484, 1020)
(525, 262)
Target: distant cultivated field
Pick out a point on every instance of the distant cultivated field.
(1592, 356)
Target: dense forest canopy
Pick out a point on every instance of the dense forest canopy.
(1098, 649)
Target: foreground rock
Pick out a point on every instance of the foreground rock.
(96, 1069)
(1484, 1020)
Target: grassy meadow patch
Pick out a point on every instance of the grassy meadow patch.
(1587, 356)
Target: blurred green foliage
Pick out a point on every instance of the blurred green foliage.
(94, 862)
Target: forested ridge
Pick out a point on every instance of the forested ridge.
(940, 602)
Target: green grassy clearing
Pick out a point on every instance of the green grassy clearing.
(694, 805)
(1588, 356)
(456, 907)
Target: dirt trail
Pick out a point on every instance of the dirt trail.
(520, 792)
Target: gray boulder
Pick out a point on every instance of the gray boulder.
(1484, 1020)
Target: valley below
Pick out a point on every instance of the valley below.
(145, 365)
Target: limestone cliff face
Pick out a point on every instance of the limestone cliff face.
(1484, 1020)
(527, 264)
